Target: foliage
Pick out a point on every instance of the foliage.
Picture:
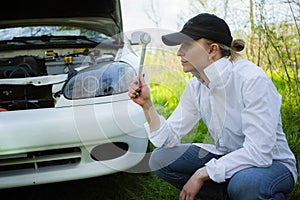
(278, 53)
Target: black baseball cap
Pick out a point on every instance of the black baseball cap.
(203, 25)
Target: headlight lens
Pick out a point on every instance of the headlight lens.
(100, 80)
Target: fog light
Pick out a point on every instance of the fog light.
(109, 151)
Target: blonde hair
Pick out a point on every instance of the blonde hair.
(237, 45)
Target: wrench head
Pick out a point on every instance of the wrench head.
(145, 38)
(140, 37)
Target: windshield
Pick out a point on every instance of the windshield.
(37, 31)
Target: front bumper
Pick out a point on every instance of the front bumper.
(27, 135)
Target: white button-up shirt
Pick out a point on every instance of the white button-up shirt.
(241, 108)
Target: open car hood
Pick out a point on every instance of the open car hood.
(101, 15)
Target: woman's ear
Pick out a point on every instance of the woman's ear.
(213, 50)
(214, 47)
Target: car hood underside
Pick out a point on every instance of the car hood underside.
(27, 11)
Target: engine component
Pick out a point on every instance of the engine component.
(21, 67)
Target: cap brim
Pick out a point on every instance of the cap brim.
(174, 39)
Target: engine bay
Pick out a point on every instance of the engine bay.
(25, 79)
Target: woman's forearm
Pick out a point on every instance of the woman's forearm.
(152, 116)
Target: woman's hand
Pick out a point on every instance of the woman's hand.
(140, 93)
(194, 184)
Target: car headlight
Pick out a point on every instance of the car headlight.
(100, 80)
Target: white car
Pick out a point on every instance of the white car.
(65, 113)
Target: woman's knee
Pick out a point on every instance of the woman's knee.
(155, 160)
(162, 157)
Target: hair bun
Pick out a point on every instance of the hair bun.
(238, 45)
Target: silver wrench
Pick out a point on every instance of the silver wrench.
(145, 39)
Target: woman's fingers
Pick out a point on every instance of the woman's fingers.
(134, 89)
(142, 80)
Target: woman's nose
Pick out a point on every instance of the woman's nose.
(180, 51)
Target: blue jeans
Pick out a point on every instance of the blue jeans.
(176, 165)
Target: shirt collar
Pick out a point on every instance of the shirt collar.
(218, 72)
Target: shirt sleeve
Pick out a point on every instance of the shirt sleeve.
(180, 122)
(260, 118)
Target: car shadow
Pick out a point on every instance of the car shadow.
(109, 187)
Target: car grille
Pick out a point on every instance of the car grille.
(40, 159)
